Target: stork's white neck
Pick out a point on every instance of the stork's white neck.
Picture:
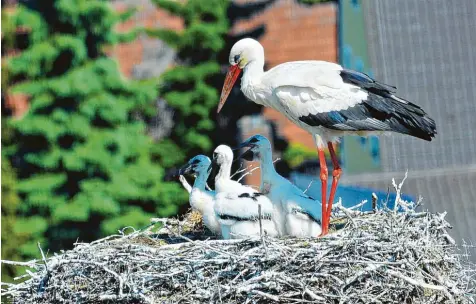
(200, 180)
(268, 172)
(223, 173)
(252, 74)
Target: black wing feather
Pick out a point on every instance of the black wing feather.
(381, 111)
(364, 81)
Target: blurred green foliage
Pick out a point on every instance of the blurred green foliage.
(188, 88)
(11, 238)
(85, 166)
(297, 153)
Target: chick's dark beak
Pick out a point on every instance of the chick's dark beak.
(248, 155)
(186, 169)
(213, 168)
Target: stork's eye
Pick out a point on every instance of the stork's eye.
(237, 58)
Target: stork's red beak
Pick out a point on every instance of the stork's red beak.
(230, 80)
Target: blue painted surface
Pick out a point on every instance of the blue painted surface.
(356, 156)
(350, 195)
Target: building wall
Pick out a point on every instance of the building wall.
(425, 48)
(358, 154)
(131, 54)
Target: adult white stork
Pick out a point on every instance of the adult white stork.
(327, 101)
(236, 205)
(201, 199)
(300, 216)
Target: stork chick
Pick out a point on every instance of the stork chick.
(299, 214)
(201, 199)
(236, 205)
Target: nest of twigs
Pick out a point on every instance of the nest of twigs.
(377, 257)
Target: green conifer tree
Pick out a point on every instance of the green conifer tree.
(84, 163)
(188, 88)
(11, 239)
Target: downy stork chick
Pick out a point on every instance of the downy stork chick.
(300, 214)
(201, 199)
(236, 205)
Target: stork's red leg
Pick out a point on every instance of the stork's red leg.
(323, 177)
(336, 172)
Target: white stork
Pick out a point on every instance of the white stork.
(326, 100)
(236, 205)
(299, 214)
(201, 199)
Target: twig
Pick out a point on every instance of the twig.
(261, 230)
(250, 172)
(43, 257)
(374, 201)
(421, 284)
(31, 264)
(308, 186)
(266, 295)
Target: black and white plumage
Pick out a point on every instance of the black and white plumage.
(326, 100)
(201, 199)
(236, 205)
(298, 213)
(379, 111)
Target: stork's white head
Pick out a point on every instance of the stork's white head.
(245, 51)
(223, 155)
(242, 53)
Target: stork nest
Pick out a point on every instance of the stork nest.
(377, 257)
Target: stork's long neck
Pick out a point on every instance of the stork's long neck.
(268, 172)
(223, 174)
(200, 181)
(252, 74)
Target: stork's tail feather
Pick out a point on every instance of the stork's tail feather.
(412, 120)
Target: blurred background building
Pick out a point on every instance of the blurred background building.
(422, 47)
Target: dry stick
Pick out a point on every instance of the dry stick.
(252, 170)
(44, 280)
(248, 173)
(347, 213)
(240, 170)
(313, 295)
(43, 256)
(261, 231)
(374, 201)
(421, 284)
(31, 264)
(308, 186)
(398, 189)
(266, 295)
